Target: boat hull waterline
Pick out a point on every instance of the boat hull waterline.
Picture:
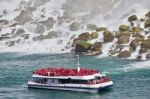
(77, 88)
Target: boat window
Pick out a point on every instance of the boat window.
(40, 80)
(97, 77)
(72, 81)
(52, 80)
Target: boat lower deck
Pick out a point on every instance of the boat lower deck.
(71, 87)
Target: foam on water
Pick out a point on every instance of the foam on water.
(135, 66)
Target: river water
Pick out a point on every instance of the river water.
(131, 78)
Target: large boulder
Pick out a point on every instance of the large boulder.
(137, 29)
(74, 26)
(94, 35)
(49, 23)
(147, 14)
(108, 36)
(124, 54)
(77, 40)
(147, 23)
(91, 26)
(124, 28)
(85, 35)
(96, 46)
(82, 47)
(132, 18)
(124, 38)
(134, 43)
(99, 29)
(146, 44)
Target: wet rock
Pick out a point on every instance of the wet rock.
(39, 28)
(91, 26)
(37, 3)
(99, 29)
(82, 47)
(141, 37)
(68, 43)
(62, 49)
(5, 11)
(148, 56)
(124, 38)
(147, 23)
(51, 34)
(85, 35)
(108, 36)
(75, 26)
(1, 16)
(124, 28)
(124, 54)
(94, 35)
(60, 42)
(132, 18)
(4, 22)
(77, 40)
(4, 38)
(147, 14)
(10, 43)
(38, 38)
(18, 32)
(137, 29)
(25, 36)
(49, 23)
(143, 50)
(135, 43)
(13, 24)
(66, 47)
(96, 47)
(18, 41)
(24, 16)
(72, 37)
(132, 24)
(142, 19)
(146, 44)
(5, 35)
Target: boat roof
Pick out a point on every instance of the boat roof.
(65, 72)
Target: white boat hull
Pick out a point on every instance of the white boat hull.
(80, 88)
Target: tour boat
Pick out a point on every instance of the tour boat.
(80, 79)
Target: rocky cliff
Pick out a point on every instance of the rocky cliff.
(91, 27)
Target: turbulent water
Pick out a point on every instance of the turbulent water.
(131, 78)
(31, 17)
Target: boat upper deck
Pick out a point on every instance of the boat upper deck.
(64, 72)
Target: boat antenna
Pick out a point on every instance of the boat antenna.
(78, 63)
